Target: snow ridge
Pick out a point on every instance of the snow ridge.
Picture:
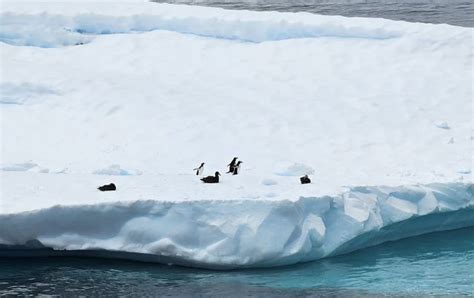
(246, 233)
(50, 30)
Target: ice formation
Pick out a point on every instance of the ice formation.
(245, 233)
(159, 88)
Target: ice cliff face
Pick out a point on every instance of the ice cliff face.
(245, 233)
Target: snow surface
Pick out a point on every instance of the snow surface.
(139, 94)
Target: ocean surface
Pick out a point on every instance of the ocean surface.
(434, 264)
(454, 12)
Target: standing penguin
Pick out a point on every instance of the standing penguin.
(199, 169)
(237, 168)
(305, 179)
(232, 165)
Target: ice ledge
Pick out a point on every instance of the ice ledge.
(28, 30)
(244, 233)
(76, 23)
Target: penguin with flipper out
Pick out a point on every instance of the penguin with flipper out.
(232, 165)
(305, 179)
(107, 187)
(211, 179)
(199, 169)
(237, 168)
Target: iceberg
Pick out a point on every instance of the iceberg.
(139, 94)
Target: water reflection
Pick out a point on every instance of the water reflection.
(438, 263)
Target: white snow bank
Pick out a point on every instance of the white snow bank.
(443, 125)
(56, 24)
(12, 93)
(115, 170)
(20, 166)
(245, 233)
(23, 167)
(293, 169)
(47, 30)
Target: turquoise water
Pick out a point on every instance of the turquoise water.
(438, 263)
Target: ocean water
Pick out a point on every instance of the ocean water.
(434, 264)
(454, 12)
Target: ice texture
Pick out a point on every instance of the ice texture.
(246, 233)
(113, 170)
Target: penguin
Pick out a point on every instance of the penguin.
(237, 168)
(199, 169)
(107, 187)
(211, 179)
(305, 179)
(232, 165)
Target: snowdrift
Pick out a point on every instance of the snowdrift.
(237, 234)
(47, 30)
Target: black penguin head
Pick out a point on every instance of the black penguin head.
(218, 174)
(240, 162)
(202, 164)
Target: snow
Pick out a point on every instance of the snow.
(138, 94)
(269, 182)
(443, 125)
(114, 170)
(47, 30)
(20, 166)
(21, 93)
(293, 169)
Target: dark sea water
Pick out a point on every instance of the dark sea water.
(454, 12)
(433, 264)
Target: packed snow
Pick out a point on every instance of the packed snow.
(139, 94)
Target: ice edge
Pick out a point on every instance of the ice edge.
(241, 233)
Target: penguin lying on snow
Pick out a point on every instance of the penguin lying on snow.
(305, 179)
(107, 187)
(199, 169)
(237, 168)
(232, 165)
(211, 179)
